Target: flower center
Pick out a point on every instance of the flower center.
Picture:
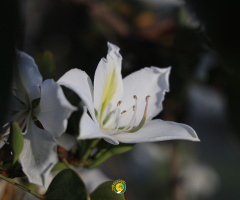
(111, 121)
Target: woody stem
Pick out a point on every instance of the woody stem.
(22, 187)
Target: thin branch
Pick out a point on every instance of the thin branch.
(22, 187)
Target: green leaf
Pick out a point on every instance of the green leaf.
(105, 192)
(16, 141)
(67, 185)
(45, 63)
(112, 150)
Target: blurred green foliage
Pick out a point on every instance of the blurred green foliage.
(46, 65)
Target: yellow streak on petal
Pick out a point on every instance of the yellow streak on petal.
(109, 90)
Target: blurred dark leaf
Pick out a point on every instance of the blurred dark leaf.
(65, 186)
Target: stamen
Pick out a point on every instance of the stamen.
(123, 112)
(132, 121)
(118, 122)
(116, 117)
(142, 122)
(115, 113)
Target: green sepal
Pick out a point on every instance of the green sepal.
(102, 147)
(65, 186)
(16, 141)
(105, 192)
(121, 148)
(46, 65)
(112, 150)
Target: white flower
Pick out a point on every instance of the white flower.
(121, 110)
(41, 110)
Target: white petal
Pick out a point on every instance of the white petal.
(78, 81)
(147, 81)
(3, 139)
(108, 86)
(15, 104)
(89, 130)
(158, 130)
(19, 99)
(1, 143)
(27, 77)
(39, 154)
(67, 141)
(54, 108)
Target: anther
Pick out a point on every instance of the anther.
(135, 97)
(134, 108)
(119, 103)
(147, 97)
(123, 111)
